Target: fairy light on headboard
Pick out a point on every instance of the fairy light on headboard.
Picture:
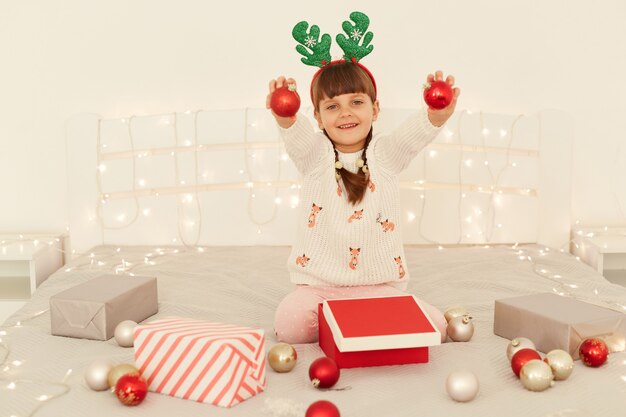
(251, 189)
(477, 221)
(485, 215)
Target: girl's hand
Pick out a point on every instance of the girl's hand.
(439, 117)
(284, 122)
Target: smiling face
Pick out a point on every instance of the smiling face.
(345, 105)
(347, 119)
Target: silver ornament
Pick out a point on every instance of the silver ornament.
(124, 333)
(454, 311)
(460, 329)
(561, 363)
(462, 385)
(518, 343)
(536, 375)
(282, 357)
(97, 375)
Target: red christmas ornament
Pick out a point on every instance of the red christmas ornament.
(593, 352)
(322, 408)
(438, 94)
(324, 372)
(521, 357)
(131, 389)
(285, 101)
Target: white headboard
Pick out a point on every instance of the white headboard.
(222, 177)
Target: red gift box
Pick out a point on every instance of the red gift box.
(358, 332)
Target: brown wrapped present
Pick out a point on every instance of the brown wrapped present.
(93, 309)
(555, 322)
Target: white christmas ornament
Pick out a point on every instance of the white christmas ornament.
(460, 329)
(561, 363)
(518, 343)
(124, 333)
(462, 385)
(97, 374)
(536, 375)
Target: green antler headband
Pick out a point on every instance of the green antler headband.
(319, 54)
(316, 50)
(357, 44)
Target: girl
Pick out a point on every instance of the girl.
(347, 245)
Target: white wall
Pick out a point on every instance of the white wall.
(123, 57)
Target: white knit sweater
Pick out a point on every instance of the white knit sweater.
(338, 244)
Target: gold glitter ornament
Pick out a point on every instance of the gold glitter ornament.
(119, 371)
(454, 311)
(282, 357)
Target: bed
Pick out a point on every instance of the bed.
(212, 223)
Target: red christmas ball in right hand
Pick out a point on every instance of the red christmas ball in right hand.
(593, 352)
(438, 94)
(521, 357)
(285, 101)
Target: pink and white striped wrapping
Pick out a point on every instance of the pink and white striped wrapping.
(211, 363)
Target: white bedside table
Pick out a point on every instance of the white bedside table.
(25, 262)
(604, 249)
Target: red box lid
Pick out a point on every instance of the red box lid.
(375, 323)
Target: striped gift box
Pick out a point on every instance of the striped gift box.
(212, 363)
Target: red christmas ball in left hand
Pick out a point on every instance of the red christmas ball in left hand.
(438, 94)
(593, 352)
(285, 101)
(322, 408)
(324, 372)
(521, 357)
(131, 389)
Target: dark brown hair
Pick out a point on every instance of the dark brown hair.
(346, 78)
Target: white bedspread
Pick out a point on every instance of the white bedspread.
(243, 286)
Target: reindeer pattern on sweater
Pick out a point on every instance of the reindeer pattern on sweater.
(345, 244)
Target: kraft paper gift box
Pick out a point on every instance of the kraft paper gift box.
(376, 331)
(93, 309)
(556, 322)
(213, 363)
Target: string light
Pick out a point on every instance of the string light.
(9, 382)
(486, 225)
